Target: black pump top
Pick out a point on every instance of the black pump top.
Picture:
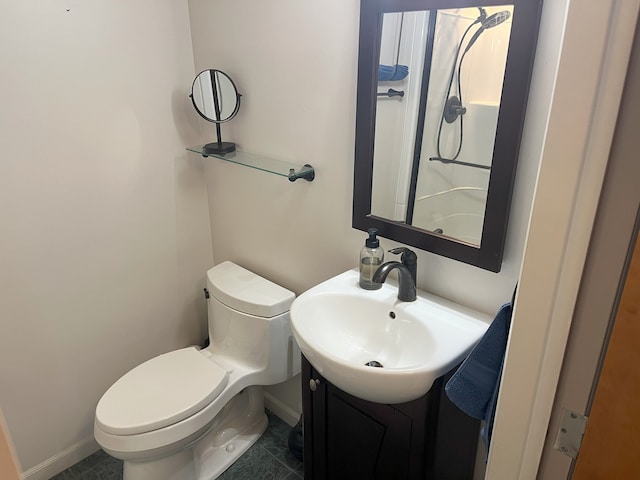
(372, 241)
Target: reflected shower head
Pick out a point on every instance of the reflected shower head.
(486, 23)
(496, 19)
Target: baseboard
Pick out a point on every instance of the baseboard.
(281, 409)
(72, 455)
(63, 460)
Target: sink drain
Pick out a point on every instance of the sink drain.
(374, 363)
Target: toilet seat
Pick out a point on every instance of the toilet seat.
(160, 392)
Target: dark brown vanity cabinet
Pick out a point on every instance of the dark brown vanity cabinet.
(349, 438)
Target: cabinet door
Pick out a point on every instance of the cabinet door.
(365, 440)
(349, 438)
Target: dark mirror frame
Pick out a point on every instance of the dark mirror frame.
(519, 65)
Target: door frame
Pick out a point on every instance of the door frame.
(594, 42)
(604, 274)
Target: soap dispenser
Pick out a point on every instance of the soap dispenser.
(371, 257)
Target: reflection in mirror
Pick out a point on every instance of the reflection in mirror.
(442, 93)
(434, 145)
(216, 99)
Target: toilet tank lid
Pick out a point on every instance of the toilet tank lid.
(247, 292)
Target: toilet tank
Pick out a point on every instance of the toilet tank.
(249, 322)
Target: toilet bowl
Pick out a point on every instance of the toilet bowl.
(190, 413)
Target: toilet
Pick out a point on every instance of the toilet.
(190, 413)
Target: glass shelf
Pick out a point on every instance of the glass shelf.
(277, 167)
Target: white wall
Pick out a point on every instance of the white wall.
(295, 64)
(105, 233)
(104, 245)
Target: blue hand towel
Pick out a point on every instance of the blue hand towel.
(474, 386)
(392, 72)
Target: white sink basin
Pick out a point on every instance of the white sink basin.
(341, 327)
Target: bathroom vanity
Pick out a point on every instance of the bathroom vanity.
(346, 437)
(379, 410)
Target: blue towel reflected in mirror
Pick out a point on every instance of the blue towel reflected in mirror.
(392, 73)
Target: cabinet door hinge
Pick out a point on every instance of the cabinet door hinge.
(570, 433)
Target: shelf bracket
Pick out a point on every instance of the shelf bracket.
(307, 172)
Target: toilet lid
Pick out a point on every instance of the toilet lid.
(160, 392)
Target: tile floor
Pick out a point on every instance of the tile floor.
(268, 459)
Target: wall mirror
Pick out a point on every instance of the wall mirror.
(442, 91)
(216, 99)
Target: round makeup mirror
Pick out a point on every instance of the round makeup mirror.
(216, 99)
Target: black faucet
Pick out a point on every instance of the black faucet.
(409, 259)
(407, 269)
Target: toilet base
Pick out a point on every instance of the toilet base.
(236, 428)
